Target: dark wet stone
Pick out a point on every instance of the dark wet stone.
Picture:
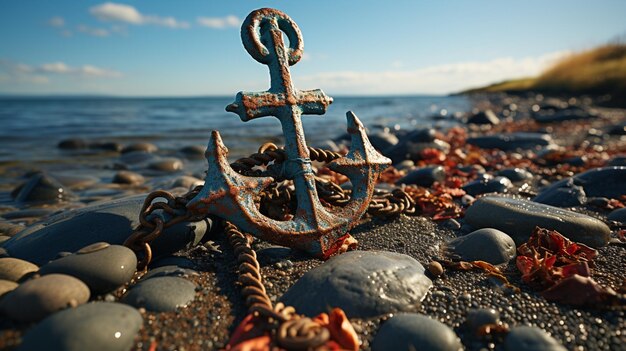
(110, 222)
(6, 286)
(102, 268)
(412, 144)
(194, 151)
(617, 161)
(128, 177)
(566, 194)
(141, 147)
(14, 269)
(619, 129)
(382, 140)
(41, 188)
(424, 176)
(618, 215)
(168, 271)
(486, 185)
(487, 244)
(563, 115)
(39, 297)
(75, 181)
(362, 283)
(169, 164)
(512, 141)
(523, 338)
(187, 182)
(477, 317)
(516, 174)
(102, 326)
(518, 218)
(484, 117)
(137, 157)
(161, 294)
(72, 144)
(607, 182)
(412, 331)
(274, 254)
(107, 146)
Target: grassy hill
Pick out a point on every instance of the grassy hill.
(599, 71)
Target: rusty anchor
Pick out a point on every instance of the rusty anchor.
(231, 196)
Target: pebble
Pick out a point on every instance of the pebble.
(72, 144)
(424, 176)
(484, 117)
(14, 269)
(523, 338)
(618, 215)
(187, 182)
(362, 283)
(75, 181)
(516, 174)
(41, 188)
(6, 286)
(111, 222)
(193, 151)
(607, 182)
(179, 261)
(562, 194)
(137, 157)
(562, 115)
(274, 254)
(168, 271)
(619, 129)
(128, 177)
(168, 164)
(412, 331)
(382, 140)
(617, 161)
(477, 317)
(486, 185)
(101, 266)
(512, 141)
(10, 229)
(161, 294)
(107, 146)
(412, 144)
(39, 297)
(102, 326)
(487, 244)
(141, 147)
(518, 218)
(435, 268)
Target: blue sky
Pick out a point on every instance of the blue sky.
(190, 48)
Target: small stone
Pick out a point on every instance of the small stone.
(518, 218)
(107, 146)
(41, 188)
(14, 269)
(141, 147)
(617, 161)
(72, 144)
(618, 215)
(362, 283)
(516, 174)
(451, 224)
(487, 244)
(101, 266)
(524, 338)
(382, 140)
(513, 141)
(424, 176)
(102, 326)
(161, 294)
(411, 331)
(39, 297)
(6, 286)
(566, 194)
(193, 151)
(168, 271)
(128, 177)
(487, 185)
(484, 117)
(435, 268)
(169, 164)
(477, 317)
(137, 158)
(187, 182)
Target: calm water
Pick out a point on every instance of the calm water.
(31, 128)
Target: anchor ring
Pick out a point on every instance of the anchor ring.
(251, 35)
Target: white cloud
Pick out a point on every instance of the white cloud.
(438, 79)
(96, 32)
(16, 72)
(220, 22)
(115, 12)
(57, 22)
(84, 71)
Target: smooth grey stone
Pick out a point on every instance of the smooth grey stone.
(75, 181)
(486, 185)
(102, 326)
(607, 182)
(516, 174)
(111, 222)
(411, 144)
(193, 151)
(412, 331)
(72, 144)
(39, 297)
(487, 244)
(161, 294)
(140, 147)
(618, 215)
(382, 140)
(477, 317)
(424, 176)
(168, 164)
(187, 182)
(362, 283)
(137, 157)
(168, 271)
(102, 270)
(617, 161)
(562, 115)
(484, 117)
(524, 338)
(14, 269)
(566, 194)
(512, 141)
(518, 218)
(6, 286)
(128, 177)
(42, 188)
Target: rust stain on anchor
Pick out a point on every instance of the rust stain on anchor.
(230, 195)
